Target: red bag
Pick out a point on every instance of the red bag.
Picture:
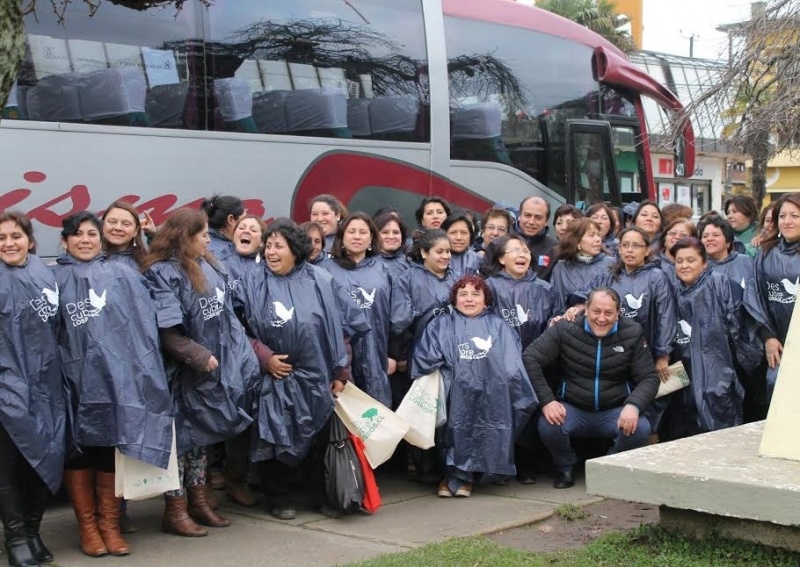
(372, 495)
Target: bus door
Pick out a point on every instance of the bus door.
(591, 168)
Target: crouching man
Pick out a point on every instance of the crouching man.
(607, 379)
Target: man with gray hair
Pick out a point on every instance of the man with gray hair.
(607, 380)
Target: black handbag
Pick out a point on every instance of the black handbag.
(344, 483)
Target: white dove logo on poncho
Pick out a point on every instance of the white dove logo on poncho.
(522, 317)
(791, 288)
(483, 344)
(743, 284)
(220, 295)
(368, 298)
(284, 315)
(52, 296)
(98, 302)
(686, 329)
(634, 302)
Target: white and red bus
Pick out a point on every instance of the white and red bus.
(379, 102)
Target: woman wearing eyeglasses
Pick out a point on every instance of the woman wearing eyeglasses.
(494, 224)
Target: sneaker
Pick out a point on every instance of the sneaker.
(443, 491)
(465, 491)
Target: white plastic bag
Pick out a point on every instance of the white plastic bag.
(135, 480)
(422, 409)
(678, 379)
(365, 417)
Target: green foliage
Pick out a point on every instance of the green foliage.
(648, 546)
(600, 16)
(571, 512)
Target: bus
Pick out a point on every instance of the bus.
(378, 102)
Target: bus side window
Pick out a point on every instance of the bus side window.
(320, 68)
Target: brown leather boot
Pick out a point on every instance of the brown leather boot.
(108, 515)
(237, 490)
(177, 520)
(201, 512)
(80, 487)
(213, 501)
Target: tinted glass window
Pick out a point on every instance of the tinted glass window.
(119, 66)
(320, 67)
(511, 92)
(351, 69)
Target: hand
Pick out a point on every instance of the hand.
(277, 367)
(573, 312)
(628, 419)
(336, 387)
(147, 224)
(774, 350)
(212, 364)
(555, 413)
(662, 367)
(756, 242)
(555, 320)
(391, 367)
(402, 366)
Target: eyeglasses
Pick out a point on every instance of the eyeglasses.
(632, 246)
(495, 228)
(518, 252)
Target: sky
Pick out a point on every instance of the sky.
(668, 25)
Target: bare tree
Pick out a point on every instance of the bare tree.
(760, 89)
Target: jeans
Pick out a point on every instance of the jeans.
(582, 423)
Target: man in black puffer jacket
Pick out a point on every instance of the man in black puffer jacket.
(607, 379)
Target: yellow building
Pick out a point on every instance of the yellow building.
(635, 12)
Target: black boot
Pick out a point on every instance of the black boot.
(36, 497)
(13, 516)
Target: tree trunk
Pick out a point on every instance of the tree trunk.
(760, 154)
(12, 45)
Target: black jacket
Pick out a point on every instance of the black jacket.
(596, 373)
(543, 250)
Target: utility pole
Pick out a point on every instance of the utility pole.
(691, 39)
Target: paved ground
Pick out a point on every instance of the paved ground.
(410, 517)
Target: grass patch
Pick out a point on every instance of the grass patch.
(571, 512)
(648, 546)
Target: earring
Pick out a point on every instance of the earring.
(369, 247)
(579, 249)
(134, 243)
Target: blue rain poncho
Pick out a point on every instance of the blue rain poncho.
(297, 314)
(465, 264)
(32, 407)
(487, 392)
(124, 257)
(526, 304)
(710, 331)
(418, 296)
(396, 263)
(370, 291)
(111, 355)
(776, 275)
(571, 276)
(211, 406)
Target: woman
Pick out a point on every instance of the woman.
(122, 234)
(675, 231)
(742, 212)
(646, 295)
(419, 295)
(214, 366)
(717, 237)
(355, 266)
(496, 223)
(581, 259)
(527, 303)
(392, 232)
(562, 218)
(710, 321)
(32, 416)
(327, 211)
(648, 218)
(604, 217)
(292, 310)
(317, 238)
(247, 244)
(461, 232)
(224, 212)
(765, 225)
(116, 385)
(777, 267)
(487, 392)
(432, 212)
